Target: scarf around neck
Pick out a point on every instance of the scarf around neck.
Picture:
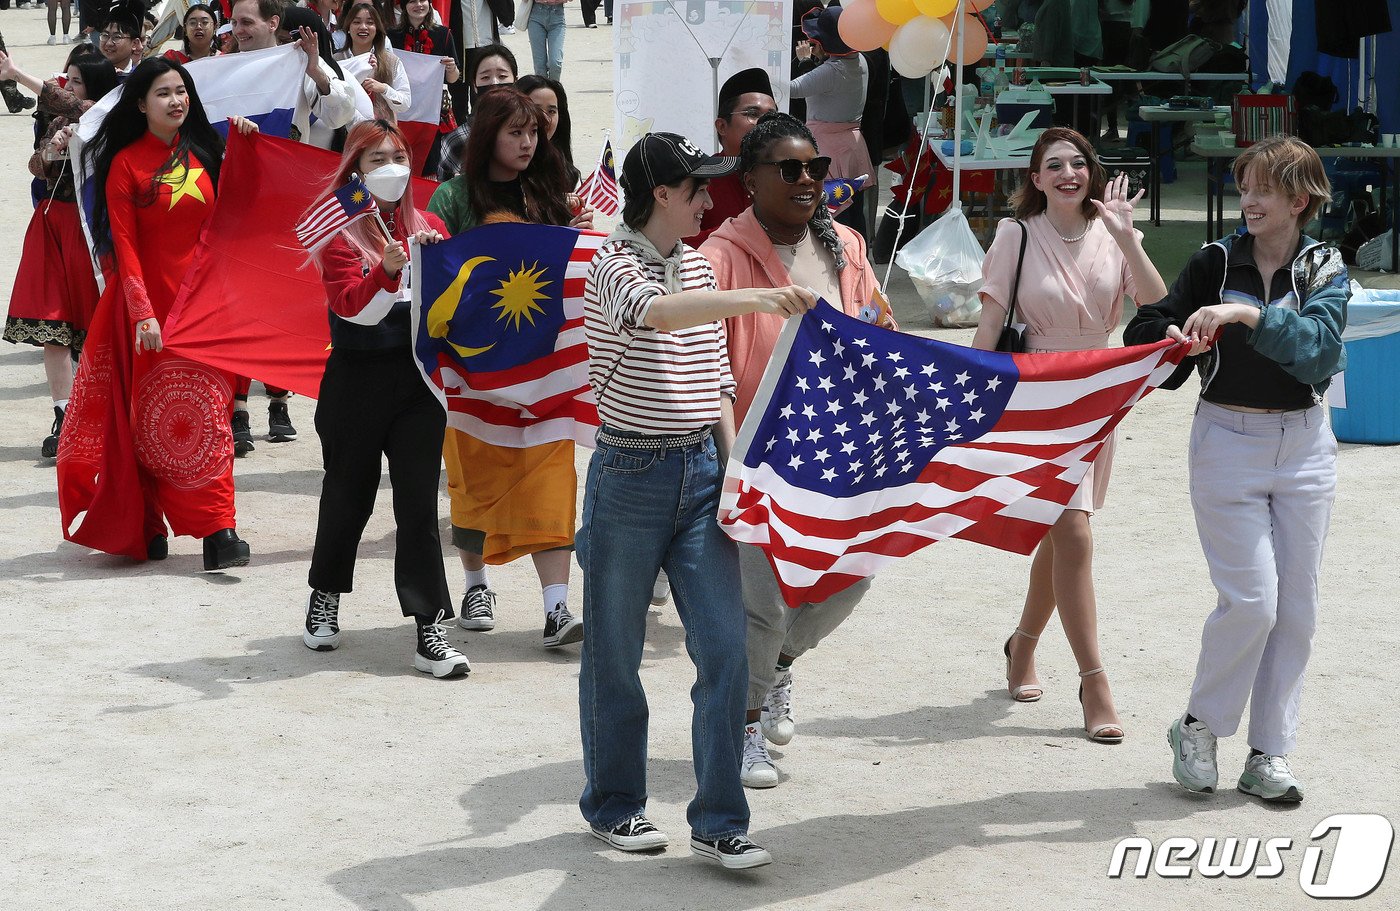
(649, 253)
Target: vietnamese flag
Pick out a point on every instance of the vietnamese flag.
(252, 302)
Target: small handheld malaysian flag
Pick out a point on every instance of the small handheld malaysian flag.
(840, 192)
(343, 207)
(599, 189)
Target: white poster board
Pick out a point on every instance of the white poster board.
(664, 62)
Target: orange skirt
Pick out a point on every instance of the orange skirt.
(525, 500)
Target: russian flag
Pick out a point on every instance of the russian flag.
(419, 118)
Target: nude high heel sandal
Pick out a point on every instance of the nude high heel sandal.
(1030, 692)
(1097, 733)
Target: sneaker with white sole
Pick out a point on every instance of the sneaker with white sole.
(660, 590)
(1193, 755)
(1269, 778)
(435, 654)
(756, 769)
(776, 719)
(561, 627)
(735, 852)
(635, 834)
(478, 609)
(322, 632)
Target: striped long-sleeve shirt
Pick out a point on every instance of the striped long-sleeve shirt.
(646, 380)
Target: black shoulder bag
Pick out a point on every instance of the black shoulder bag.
(1013, 337)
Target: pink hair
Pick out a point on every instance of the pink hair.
(365, 234)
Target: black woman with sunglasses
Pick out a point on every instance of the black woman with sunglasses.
(786, 238)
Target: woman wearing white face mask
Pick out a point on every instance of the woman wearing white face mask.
(374, 404)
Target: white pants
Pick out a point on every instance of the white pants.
(1262, 487)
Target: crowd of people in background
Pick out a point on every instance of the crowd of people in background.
(683, 306)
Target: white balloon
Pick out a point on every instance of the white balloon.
(918, 46)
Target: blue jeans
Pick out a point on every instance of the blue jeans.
(547, 39)
(645, 510)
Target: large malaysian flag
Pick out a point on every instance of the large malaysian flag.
(864, 445)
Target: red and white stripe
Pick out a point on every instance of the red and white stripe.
(324, 222)
(544, 401)
(1004, 489)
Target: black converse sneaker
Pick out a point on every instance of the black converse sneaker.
(49, 448)
(561, 627)
(279, 423)
(322, 633)
(478, 609)
(635, 834)
(735, 851)
(242, 433)
(436, 655)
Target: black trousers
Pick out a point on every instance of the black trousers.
(375, 404)
(590, 10)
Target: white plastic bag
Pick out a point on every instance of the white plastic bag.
(945, 264)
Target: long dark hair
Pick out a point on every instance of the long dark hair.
(125, 124)
(544, 181)
(770, 128)
(1029, 201)
(563, 138)
(99, 76)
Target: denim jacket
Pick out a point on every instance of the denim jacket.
(1306, 343)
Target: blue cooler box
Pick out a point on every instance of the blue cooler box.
(1370, 388)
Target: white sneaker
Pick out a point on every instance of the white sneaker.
(661, 590)
(65, 40)
(757, 769)
(53, 39)
(1270, 778)
(777, 723)
(508, 30)
(1193, 755)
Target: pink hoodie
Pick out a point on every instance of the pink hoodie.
(743, 257)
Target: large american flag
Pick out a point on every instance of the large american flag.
(864, 445)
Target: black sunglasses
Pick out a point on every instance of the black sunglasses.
(790, 169)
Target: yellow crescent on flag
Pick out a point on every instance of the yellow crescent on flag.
(445, 307)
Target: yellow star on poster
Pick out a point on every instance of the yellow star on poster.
(518, 294)
(184, 182)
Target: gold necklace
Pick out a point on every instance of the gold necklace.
(790, 244)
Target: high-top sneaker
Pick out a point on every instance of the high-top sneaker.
(322, 632)
(756, 769)
(776, 720)
(279, 423)
(242, 433)
(436, 655)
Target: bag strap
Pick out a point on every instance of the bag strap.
(1016, 288)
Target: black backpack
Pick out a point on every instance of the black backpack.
(1316, 91)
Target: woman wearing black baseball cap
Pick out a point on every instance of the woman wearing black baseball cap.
(659, 369)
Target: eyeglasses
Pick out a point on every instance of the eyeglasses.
(790, 169)
(114, 37)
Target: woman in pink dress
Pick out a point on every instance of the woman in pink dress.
(1082, 256)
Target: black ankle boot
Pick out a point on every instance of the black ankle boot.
(158, 548)
(223, 549)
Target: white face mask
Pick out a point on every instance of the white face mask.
(388, 182)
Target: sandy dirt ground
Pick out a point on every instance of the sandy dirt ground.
(166, 742)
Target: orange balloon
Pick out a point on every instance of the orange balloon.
(895, 12)
(970, 43)
(862, 27)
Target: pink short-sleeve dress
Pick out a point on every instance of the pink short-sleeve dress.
(1071, 299)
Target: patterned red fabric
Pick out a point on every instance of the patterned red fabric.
(146, 437)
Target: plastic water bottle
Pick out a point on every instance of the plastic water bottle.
(1000, 81)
